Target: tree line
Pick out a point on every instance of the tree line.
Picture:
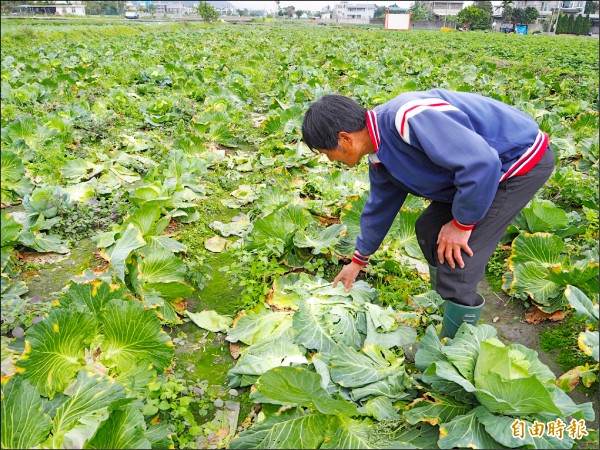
(568, 24)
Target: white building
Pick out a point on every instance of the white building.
(60, 8)
(447, 8)
(545, 8)
(75, 8)
(176, 8)
(346, 10)
(224, 8)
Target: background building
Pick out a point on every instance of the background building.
(545, 8)
(346, 10)
(224, 8)
(60, 8)
(183, 8)
(447, 8)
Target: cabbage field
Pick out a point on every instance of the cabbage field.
(168, 245)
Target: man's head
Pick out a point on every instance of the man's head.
(337, 126)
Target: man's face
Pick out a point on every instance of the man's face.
(346, 153)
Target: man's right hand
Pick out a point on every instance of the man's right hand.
(348, 275)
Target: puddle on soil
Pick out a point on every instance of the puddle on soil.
(53, 271)
(204, 355)
(203, 350)
(219, 293)
(511, 326)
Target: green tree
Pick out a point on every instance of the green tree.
(578, 25)
(474, 18)
(559, 24)
(152, 9)
(591, 7)
(8, 7)
(508, 14)
(486, 6)
(570, 28)
(506, 4)
(565, 25)
(518, 15)
(207, 12)
(299, 12)
(530, 14)
(525, 15)
(420, 11)
(379, 11)
(243, 12)
(586, 25)
(104, 7)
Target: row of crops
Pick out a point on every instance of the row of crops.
(173, 152)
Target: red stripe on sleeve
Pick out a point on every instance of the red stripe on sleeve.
(460, 226)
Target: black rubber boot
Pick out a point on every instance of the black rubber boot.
(455, 315)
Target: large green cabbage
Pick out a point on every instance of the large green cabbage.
(479, 382)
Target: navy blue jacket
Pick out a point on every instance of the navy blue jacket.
(446, 146)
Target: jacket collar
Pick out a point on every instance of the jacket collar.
(373, 129)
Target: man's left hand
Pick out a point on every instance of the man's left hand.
(451, 241)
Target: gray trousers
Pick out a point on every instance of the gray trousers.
(460, 285)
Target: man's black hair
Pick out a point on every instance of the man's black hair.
(328, 116)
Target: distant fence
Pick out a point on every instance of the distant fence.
(422, 24)
(433, 24)
(354, 21)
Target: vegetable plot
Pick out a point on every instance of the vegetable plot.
(174, 151)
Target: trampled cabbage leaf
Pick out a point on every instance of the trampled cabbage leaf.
(14, 184)
(210, 320)
(322, 324)
(240, 226)
(253, 328)
(274, 197)
(278, 350)
(9, 230)
(372, 371)
(42, 242)
(295, 428)
(296, 386)
(321, 240)
(131, 239)
(279, 228)
(316, 419)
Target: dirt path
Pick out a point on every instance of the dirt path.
(509, 319)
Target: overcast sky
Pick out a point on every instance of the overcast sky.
(312, 5)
